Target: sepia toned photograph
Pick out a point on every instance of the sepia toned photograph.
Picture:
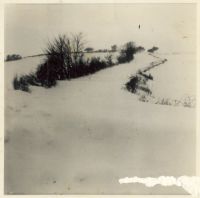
(99, 92)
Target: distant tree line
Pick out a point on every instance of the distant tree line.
(12, 57)
(64, 59)
(90, 49)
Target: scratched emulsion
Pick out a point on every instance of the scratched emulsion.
(190, 184)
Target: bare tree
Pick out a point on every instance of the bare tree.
(77, 46)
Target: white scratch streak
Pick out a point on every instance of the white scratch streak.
(189, 184)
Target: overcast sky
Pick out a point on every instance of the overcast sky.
(168, 26)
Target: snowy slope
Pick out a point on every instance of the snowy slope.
(85, 134)
(177, 76)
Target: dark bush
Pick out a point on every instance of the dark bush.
(13, 57)
(153, 49)
(122, 58)
(21, 84)
(127, 53)
(109, 60)
(96, 64)
(132, 84)
(58, 61)
(140, 49)
(46, 75)
(32, 79)
(64, 59)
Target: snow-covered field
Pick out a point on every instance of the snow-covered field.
(83, 135)
(176, 79)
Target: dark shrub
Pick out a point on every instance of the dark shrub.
(64, 59)
(109, 60)
(46, 75)
(96, 64)
(140, 49)
(122, 58)
(32, 79)
(132, 84)
(21, 84)
(59, 58)
(58, 62)
(127, 53)
(153, 49)
(130, 50)
(79, 68)
(13, 57)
